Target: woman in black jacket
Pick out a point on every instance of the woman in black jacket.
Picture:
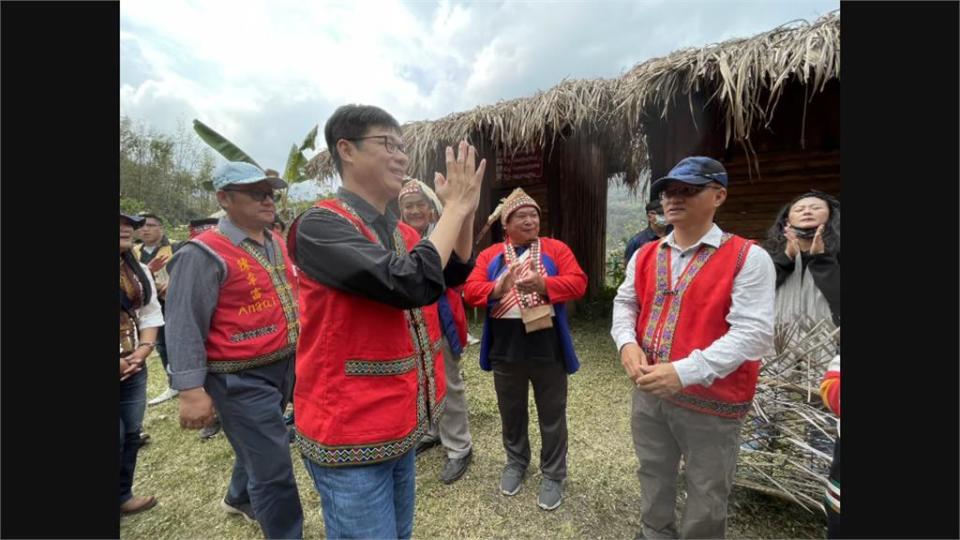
(804, 243)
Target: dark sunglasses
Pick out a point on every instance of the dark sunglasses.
(684, 190)
(256, 195)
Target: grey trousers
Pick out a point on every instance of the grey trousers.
(250, 405)
(511, 380)
(453, 427)
(662, 432)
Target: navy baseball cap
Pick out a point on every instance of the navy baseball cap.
(135, 221)
(696, 170)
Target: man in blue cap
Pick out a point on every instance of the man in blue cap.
(691, 321)
(231, 343)
(657, 228)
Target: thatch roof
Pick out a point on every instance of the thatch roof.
(737, 72)
(513, 125)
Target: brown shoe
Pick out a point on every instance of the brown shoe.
(137, 504)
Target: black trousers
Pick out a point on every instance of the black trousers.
(511, 381)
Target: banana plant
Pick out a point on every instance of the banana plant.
(293, 172)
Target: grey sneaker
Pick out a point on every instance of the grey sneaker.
(551, 494)
(511, 480)
(167, 395)
(244, 510)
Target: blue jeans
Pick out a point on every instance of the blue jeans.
(133, 402)
(367, 501)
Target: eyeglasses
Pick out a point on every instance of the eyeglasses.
(388, 143)
(256, 195)
(683, 190)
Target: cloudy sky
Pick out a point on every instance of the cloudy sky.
(264, 72)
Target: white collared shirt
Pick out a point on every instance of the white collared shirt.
(751, 314)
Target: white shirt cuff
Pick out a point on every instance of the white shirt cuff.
(623, 339)
(689, 372)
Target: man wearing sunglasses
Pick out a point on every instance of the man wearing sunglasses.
(691, 321)
(370, 367)
(231, 339)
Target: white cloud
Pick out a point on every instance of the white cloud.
(264, 72)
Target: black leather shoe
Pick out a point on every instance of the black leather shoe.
(426, 444)
(453, 469)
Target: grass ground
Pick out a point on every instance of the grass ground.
(601, 497)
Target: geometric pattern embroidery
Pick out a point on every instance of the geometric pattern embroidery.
(380, 367)
(233, 366)
(332, 456)
(720, 408)
(659, 346)
(242, 336)
(278, 277)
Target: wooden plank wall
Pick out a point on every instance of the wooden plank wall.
(787, 168)
(752, 206)
(577, 177)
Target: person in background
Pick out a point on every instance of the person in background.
(657, 228)
(804, 243)
(155, 251)
(420, 210)
(140, 320)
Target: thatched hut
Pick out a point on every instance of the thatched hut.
(564, 144)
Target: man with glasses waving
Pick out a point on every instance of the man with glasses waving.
(231, 340)
(691, 321)
(370, 366)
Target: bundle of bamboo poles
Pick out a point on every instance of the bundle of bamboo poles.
(787, 439)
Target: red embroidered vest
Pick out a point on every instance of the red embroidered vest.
(370, 377)
(672, 323)
(255, 322)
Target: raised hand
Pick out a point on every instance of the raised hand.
(461, 185)
(817, 247)
(793, 244)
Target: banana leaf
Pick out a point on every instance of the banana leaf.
(220, 143)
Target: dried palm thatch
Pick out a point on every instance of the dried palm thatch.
(514, 125)
(788, 437)
(745, 76)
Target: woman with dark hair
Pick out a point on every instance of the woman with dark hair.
(804, 243)
(140, 319)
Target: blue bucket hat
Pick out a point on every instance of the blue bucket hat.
(696, 170)
(239, 173)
